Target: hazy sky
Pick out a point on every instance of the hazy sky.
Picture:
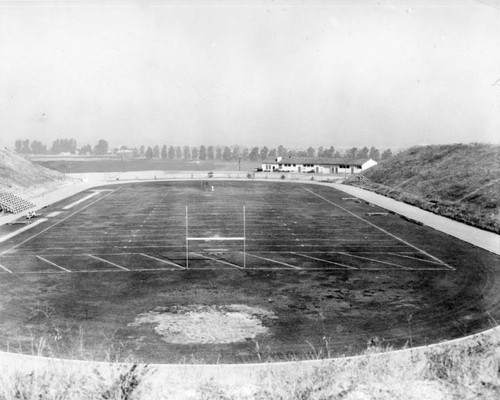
(297, 73)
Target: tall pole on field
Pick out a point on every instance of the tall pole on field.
(187, 241)
(244, 240)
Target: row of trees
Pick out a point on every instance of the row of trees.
(224, 153)
(227, 153)
(60, 146)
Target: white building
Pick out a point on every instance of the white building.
(125, 153)
(317, 165)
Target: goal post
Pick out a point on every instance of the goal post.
(215, 238)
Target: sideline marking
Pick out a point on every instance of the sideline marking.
(57, 223)
(24, 228)
(54, 213)
(54, 264)
(109, 262)
(81, 200)
(163, 261)
(6, 269)
(275, 261)
(327, 261)
(382, 230)
(214, 259)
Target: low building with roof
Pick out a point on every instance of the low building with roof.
(317, 165)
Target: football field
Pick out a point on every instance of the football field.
(169, 227)
(333, 270)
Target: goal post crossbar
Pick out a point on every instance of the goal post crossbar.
(215, 238)
(207, 239)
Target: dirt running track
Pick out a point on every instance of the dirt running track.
(107, 273)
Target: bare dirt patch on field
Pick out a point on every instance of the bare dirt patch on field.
(201, 324)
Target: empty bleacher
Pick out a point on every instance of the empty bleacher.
(13, 204)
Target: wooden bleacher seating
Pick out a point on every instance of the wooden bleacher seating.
(13, 204)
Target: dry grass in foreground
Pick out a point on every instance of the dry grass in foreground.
(467, 369)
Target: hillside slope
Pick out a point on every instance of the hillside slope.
(459, 181)
(24, 178)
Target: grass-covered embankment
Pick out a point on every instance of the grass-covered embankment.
(24, 178)
(459, 181)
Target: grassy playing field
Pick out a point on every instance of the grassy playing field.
(330, 273)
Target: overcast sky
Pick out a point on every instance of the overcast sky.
(297, 73)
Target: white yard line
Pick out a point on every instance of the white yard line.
(415, 258)
(381, 229)
(215, 259)
(6, 269)
(25, 228)
(373, 259)
(109, 262)
(274, 261)
(163, 261)
(52, 263)
(81, 200)
(327, 261)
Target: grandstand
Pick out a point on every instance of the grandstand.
(13, 204)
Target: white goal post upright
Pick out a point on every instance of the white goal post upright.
(216, 238)
(187, 240)
(244, 239)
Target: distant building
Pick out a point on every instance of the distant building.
(317, 165)
(125, 153)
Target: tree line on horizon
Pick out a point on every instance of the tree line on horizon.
(202, 153)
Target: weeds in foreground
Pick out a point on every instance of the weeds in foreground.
(467, 369)
(471, 368)
(125, 384)
(58, 382)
